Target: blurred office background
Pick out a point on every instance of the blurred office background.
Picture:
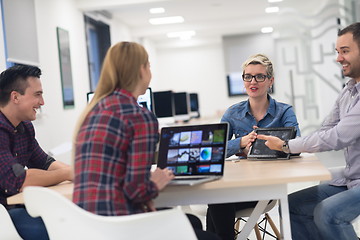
(68, 38)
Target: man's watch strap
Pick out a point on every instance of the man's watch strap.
(285, 147)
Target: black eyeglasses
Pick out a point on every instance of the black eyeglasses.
(258, 77)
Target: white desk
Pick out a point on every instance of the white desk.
(242, 181)
(249, 181)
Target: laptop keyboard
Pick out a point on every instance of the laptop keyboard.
(188, 178)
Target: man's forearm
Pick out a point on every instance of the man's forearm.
(39, 177)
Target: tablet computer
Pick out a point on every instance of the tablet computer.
(259, 151)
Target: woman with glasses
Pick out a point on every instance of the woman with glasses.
(259, 110)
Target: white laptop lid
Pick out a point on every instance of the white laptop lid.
(194, 150)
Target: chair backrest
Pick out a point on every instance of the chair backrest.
(336, 172)
(7, 229)
(65, 220)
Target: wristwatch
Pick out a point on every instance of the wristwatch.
(285, 147)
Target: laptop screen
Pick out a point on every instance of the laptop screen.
(194, 150)
(259, 150)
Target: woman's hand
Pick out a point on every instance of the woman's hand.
(161, 177)
(247, 140)
(149, 207)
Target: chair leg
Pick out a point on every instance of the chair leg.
(237, 224)
(256, 229)
(237, 227)
(257, 232)
(273, 226)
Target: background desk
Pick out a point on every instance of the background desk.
(243, 181)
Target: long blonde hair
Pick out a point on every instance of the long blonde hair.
(121, 69)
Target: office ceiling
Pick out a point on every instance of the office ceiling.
(210, 19)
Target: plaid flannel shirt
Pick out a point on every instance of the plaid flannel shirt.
(18, 148)
(114, 151)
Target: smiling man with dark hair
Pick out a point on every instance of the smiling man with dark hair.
(326, 211)
(22, 161)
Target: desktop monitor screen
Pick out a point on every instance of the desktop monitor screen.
(194, 105)
(235, 84)
(146, 100)
(164, 104)
(89, 96)
(182, 106)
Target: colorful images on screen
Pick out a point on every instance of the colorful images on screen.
(219, 136)
(185, 138)
(207, 137)
(175, 139)
(194, 154)
(196, 137)
(205, 154)
(199, 151)
(183, 155)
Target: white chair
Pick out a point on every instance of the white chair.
(336, 172)
(7, 230)
(244, 213)
(65, 220)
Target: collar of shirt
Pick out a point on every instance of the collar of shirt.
(5, 123)
(120, 91)
(353, 87)
(271, 109)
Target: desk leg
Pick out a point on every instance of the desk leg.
(254, 217)
(285, 218)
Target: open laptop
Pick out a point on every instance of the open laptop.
(259, 151)
(195, 153)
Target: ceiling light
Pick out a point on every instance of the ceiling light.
(267, 29)
(166, 20)
(185, 35)
(274, 1)
(271, 9)
(157, 10)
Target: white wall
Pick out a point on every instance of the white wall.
(55, 125)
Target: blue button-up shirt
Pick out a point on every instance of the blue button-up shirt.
(241, 121)
(340, 130)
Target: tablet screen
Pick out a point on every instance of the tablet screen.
(259, 150)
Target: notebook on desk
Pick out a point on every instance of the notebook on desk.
(195, 153)
(259, 151)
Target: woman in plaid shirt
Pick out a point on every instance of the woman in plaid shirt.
(116, 140)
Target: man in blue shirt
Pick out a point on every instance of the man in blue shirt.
(327, 210)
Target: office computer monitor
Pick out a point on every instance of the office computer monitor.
(164, 106)
(182, 106)
(146, 100)
(194, 105)
(235, 84)
(89, 96)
